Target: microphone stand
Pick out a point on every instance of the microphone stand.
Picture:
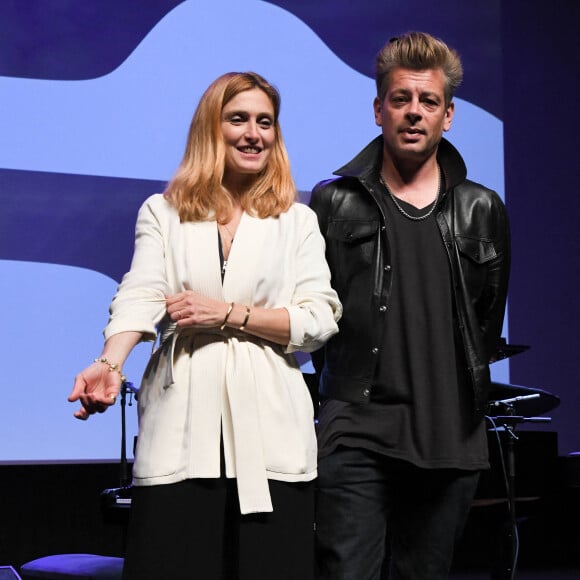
(121, 496)
(508, 421)
(126, 387)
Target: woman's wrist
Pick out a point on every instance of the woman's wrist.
(227, 316)
(237, 316)
(246, 318)
(113, 367)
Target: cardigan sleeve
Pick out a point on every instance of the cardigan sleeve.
(315, 308)
(139, 303)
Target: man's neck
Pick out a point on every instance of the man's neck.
(416, 184)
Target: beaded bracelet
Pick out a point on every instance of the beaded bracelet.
(245, 319)
(113, 367)
(231, 307)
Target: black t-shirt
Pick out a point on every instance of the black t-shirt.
(423, 413)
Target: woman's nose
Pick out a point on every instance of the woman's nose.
(251, 131)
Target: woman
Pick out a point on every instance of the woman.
(232, 273)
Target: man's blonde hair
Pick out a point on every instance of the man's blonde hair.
(418, 51)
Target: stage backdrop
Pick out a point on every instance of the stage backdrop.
(96, 99)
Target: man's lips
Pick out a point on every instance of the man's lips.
(411, 134)
(412, 131)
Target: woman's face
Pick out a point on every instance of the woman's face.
(249, 134)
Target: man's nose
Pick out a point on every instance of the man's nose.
(413, 118)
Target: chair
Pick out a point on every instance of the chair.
(73, 567)
(8, 573)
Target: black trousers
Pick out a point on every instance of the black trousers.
(367, 501)
(194, 530)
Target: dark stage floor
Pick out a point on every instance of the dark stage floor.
(540, 574)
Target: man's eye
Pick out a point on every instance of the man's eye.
(430, 104)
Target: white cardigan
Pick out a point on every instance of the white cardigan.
(202, 383)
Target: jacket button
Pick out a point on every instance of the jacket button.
(366, 392)
(383, 308)
(375, 350)
(387, 268)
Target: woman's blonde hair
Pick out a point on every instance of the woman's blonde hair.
(196, 189)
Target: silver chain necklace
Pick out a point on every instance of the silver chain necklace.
(412, 217)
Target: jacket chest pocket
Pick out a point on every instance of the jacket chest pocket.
(355, 244)
(477, 251)
(476, 257)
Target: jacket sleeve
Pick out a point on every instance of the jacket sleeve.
(490, 307)
(319, 203)
(139, 303)
(315, 308)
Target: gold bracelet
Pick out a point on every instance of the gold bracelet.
(113, 367)
(231, 307)
(245, 319)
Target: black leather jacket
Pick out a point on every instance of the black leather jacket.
(475, 232)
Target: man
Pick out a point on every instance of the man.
(420, 259)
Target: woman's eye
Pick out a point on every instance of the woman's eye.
(265, 123)
(236, 119)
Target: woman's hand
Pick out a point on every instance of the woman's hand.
(192, 309)
(96, 387)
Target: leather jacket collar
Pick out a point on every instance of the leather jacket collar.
(368, 163)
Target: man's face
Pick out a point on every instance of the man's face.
(413, 114)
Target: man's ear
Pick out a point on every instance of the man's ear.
(378, 108)
(449, 116)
